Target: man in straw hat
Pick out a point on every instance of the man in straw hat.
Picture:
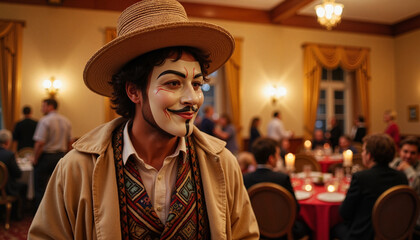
(151, 174)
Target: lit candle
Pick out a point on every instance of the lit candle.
(347, 158)
(307, 187)
(307, 144)
(331, 188)
(290, 161)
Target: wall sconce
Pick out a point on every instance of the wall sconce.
(276, 93)
(52, 86)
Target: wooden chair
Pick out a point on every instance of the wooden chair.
(395, 213)
(274, 208)
(4, 198)
(357, 159)
(305, 159)
(358, 147)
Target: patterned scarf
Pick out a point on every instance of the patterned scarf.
(187, 218)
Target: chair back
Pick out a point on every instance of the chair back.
(358, 146)
(357, 159)
(274, 208)
(395, 213)
(4, 175)
(302, 159)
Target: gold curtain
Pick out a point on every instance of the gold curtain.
(317, 56)
(233, 87)
(10, 70)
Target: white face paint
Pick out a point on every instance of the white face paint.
(175, 94)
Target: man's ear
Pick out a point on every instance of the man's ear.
(271, 160)
(133, 93)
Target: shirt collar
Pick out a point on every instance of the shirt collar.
(259, 166)
(128, 148)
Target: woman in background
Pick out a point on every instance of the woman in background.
(392, 127)
(228, 134)
(254, 133)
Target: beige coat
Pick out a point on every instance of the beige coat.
(81, 200)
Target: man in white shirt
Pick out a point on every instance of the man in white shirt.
(276, 128)
(53, 139)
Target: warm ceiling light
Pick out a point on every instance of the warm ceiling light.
(329, 13)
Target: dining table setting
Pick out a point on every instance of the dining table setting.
(319, 195)
(27, 177)
(326, 157)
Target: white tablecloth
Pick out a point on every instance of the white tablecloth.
(27, 176)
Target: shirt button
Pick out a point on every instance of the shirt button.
(159, 209)
(159, 178)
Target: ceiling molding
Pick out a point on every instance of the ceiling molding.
(406, 25)
(282, 14)
(287, 9)
(226, 13)
(344, 26)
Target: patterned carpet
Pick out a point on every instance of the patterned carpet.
(17, 231)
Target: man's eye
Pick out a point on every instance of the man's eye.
(197, 85)
(172, 84)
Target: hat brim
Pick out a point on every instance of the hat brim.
(113, 56)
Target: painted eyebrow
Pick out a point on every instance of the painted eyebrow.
(178, 74)
(172, 72)
(198, 75)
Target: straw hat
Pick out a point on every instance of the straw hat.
(149, 25)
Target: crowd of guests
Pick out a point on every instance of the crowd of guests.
(10, 144)
(220, 127)
(388, 161)
(44, 143)
(263, 160)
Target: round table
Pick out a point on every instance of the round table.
(319, 215)
(326, 161)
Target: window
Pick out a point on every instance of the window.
(213, 93)
(334, 99)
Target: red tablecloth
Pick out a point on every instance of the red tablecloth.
(326, 162)
(320, 216)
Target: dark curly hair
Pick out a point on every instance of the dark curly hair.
(138, 70)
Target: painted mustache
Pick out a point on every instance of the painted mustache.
(185, 109)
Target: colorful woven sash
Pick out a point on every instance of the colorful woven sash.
(187, 218)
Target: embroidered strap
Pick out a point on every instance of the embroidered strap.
(187, 218)
(117, 143)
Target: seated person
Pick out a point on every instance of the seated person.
(359, 129)
(246, 162)
(344, 143)
(267, 154)
(319, 139)
(207, 124)
(366, 186)
(13, 187)
(227, 133)
(284, 148)
(408, 163)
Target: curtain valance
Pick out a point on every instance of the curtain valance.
(318, 56)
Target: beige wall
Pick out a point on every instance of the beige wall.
(407, 62)
(273, 54)
(59, 41)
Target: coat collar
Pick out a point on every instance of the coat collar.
(97, 140)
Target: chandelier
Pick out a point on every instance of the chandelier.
(329, 13)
